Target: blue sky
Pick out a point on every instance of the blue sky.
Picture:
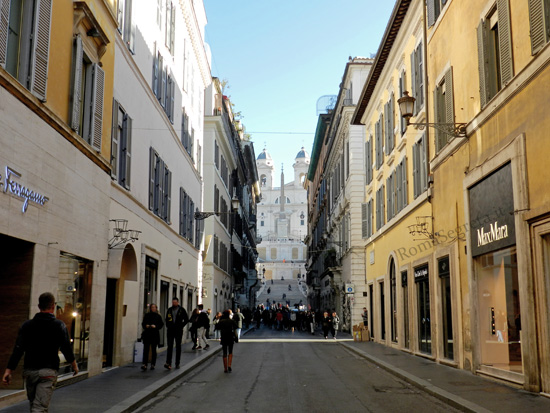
(279, 57)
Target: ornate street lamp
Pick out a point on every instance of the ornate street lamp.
(406, 107)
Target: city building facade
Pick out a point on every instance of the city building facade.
(162, 68)
(54, 166)
(232, 191)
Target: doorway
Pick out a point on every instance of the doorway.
(164, 305)
(110, 317)
(382, 313)
(424, 322)
(371, 310)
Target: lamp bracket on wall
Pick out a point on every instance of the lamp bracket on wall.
(422, 230)
(121, 233)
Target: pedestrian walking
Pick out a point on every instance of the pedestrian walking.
(209, 313)
(176, 320)
(215, 322)
(152, 323)
(311, 321)
(365, 316)
(202, 325)
(326, 324)
(40, 340)
(194, 321)
(227, 327)
(293, 320)
(238, 317)
(335, 324)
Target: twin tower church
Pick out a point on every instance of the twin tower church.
(282, 219)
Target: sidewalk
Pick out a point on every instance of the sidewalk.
(458, 388)
(124, 388)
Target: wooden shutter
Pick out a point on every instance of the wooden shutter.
(420, 77)
(439, 135)
(127, 151)
(423, 165)
(162, 91)
(391, 124)
(449, 102)
(155, 70)
(404, 199)
(482, 62)
(152, 162)
(538, 20)
(4, 30)
(172, 93)
(98, 85)
(505, 41)
(120, 15)
(172, 28)
(416, 171)
(41, 49)
(182, 217)
(167, 193)
(414, 72)
(364, 224)
(430, 5)
(76, 95)
(114, 140)
(402, 88)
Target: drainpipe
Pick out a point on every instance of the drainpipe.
(426, 100)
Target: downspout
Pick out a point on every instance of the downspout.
(426, 100)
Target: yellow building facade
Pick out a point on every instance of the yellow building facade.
(488, 68)
(56, 82)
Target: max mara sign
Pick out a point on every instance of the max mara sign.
(492, 212)
(9, 183)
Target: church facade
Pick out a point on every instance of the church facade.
(282, 220)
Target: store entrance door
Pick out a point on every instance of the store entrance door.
(424, 324)
(15, 295)
(109, 328)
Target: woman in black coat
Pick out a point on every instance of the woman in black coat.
(227, 328)
(152, 323)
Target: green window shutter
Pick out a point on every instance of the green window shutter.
(391, 113)
(505, 41)
(41, 49)
(114, 140)
(413, 80)
(364, 226)
(482, 62)
(538, 24)
(4, 30)
(76, 95)
(404, 199)
(97, 107)
(423, 165)
(449, 101)
(420, 77)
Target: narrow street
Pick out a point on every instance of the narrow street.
(292, 372)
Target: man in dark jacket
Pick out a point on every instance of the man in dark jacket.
(203, 324)
(40, 339)
(176, 319)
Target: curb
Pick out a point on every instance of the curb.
(443, 395)
(146, 394)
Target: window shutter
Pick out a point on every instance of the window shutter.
(172, 93)
(413, 80)
(538, 25)
(77, 84)
(120, 15)
(363, 220)
(114, 140)
(173, 29)
(4, 30)
(449, 101)
(167, 193)
(416, 174)
(127, 151)
(382, 207)
(152, 188)
(439, 135)
(41, 49)
(430, 5)
(160, 70)
(423, 165)
(182, 218)
(404, 182)
(391, 123)
(420, 77)
(398, 193)
(155, 70)
(97, 107)
(505, 41)
(482, 61)
(162, 93)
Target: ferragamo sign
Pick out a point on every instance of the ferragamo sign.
(9, 183)
(492, 217)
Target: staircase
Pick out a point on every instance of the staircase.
(278, 288)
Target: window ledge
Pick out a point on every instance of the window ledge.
(402, 143)
(85, 16)
(379, 174)
(391, 158)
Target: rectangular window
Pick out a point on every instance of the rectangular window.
(170, 26)
(420, 167)
(88, 80)
(25, 42)
(378, 128)
(389, 114)
(380, 217)
(402, 89)
(401, 185)
(368, 160)
(216, 252)
(444, 109)
(494, 42)
(434, 10)
(125, 21)
(539, 20)
(121, 145)
(390, 196)
(366, 219)
(160, 183)
(184, 212)
(185, 130)
(417, 78)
